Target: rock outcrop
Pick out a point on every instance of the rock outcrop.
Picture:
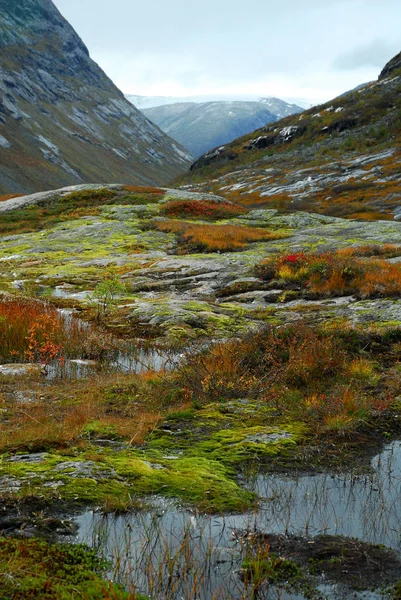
(391, 67)
(62, 120)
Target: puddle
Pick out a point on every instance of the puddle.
(123, 358)
(136, 361)
(175, 554)
(69, 294)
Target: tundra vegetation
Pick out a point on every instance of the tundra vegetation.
(271, 353)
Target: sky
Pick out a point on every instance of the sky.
(305, 50)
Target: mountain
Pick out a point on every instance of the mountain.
(341, 158)
(280, 108)
(199, 127)
(200, 123)
(62, 120)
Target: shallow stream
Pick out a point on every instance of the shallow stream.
(173, 553)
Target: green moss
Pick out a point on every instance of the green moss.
(127, 474)
(182, 415)
(204, 480)
(237, 445)
(97, 429)
(31, 569)
(197, 480)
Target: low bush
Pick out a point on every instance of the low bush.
(202, 209)
(35, 331)
(361, 272)
(333, 378)
(214, 238)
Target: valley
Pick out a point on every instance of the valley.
(200, 360)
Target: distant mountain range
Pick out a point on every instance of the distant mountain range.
(200, 126)
(62, 120)
(151, 101)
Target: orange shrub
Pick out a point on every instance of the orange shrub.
(29, 330)
(202, 209)
(298, 370)
(214, 238)
(36, 331)
(9, 197)
(347, 271)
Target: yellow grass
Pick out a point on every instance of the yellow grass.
(58, 415)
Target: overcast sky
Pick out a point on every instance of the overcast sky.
(293, 49)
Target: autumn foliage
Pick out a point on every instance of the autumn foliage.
(214, 238)
(331, 377)
(359, 271)
(202, 209)
(35, 331)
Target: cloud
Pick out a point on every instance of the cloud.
(183, 48)
(374, 54)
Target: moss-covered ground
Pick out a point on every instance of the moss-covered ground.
(298, 564)
(319, 392)
(31, 569)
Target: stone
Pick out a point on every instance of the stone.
(268, 438)
(20, 370)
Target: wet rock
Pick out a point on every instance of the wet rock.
(268, 438)
(263, 141)
(83, 469)
(9, 485)
(35, 458)
(256, 297)
(285, 135)
(20, 370)
(219, 155)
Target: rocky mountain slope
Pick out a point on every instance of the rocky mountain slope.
(202, 126)
(62, 121)
(341, 158)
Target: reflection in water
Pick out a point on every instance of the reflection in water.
(133, 360)
(171, 553)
